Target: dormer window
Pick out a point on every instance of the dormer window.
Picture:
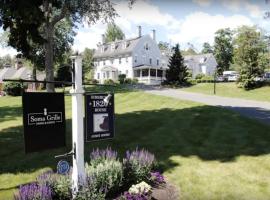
(146, 47)
(113, 46)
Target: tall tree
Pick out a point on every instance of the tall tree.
(87, 63)
(207, 48)
(250, 55)
(223, 49)
(35, 21)
(164, 45)
(113, 33)
(177, 72)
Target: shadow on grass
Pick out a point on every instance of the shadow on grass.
(207, 132)
(9, 112)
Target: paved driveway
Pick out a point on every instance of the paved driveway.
(253, 109)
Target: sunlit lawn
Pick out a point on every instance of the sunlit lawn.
(231, 90)
(208, 152)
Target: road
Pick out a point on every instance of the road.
(252, 109)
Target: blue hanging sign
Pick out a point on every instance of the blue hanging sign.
(62, 167)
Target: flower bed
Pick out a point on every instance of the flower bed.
(107, 177)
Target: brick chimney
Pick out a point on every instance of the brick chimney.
(139, 31)
(154, 34)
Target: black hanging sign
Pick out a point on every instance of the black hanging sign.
(99, 116)
(43, 120)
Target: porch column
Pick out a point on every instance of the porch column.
(149, 75)
(156, 73)
(140, 73)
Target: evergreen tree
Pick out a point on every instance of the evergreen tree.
(177, 72)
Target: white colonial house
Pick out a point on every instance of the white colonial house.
(137, 57)
(201, 64)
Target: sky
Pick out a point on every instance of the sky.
(175, 21)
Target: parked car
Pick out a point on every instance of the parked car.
(266, 76)
(231, 75)
(222, 79)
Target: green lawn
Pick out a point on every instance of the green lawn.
(231, 90)
(208, 152)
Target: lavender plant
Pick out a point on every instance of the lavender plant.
(156, 178)
(137, 166)
(34, 191)
(101, 155)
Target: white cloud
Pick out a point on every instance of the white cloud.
(145, 12)
(203, 3)
(7, 50)
(254, 10)
(88, 37)
(200, 27)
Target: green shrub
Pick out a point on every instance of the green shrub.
(106, 170)
(109, 81)
(60, 184)
(199, 76)
(134, 81)
(137, 166)
(13, 88)
(88, 191)
(191, 81)
(94, 81)
(128, 81)
(250, 83)
(207, 79)
(121, 78)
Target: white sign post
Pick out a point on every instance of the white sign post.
(78, 172)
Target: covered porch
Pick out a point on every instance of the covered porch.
(109, 72)
(149, 75)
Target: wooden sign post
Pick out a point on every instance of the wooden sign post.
(77, 92)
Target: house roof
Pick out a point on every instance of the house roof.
(7, 73)
(125, 46)
(22, 73)
(197, 60)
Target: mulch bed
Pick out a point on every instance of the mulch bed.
(166, 192)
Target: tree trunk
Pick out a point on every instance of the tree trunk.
(34, 72)
(49, 57)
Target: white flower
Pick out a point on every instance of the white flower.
(140, 188)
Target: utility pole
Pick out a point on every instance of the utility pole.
(215, 79)
(77, 92)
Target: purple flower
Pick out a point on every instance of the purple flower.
(143, 157)
(106, 154)
(34, 191)
(157, 178)
(129, 196)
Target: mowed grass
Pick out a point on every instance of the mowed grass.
(208, 152)
(231, 90)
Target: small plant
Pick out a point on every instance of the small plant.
(137, 166)
(59, 184)
(34, 191)
(13, 88)
(109, 81)
(121, 78)
(157, 178)
(89, 190)
(106, 170)
(141, 191)
(128, 81)
(98, 156)
(199, 76)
